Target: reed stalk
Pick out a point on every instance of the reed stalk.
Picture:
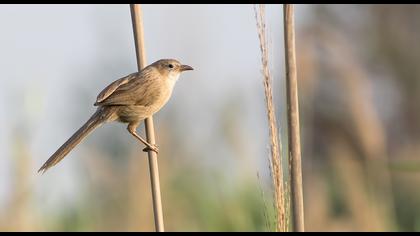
(293, 119)
(137, 21)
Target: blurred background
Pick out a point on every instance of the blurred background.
(359, 89)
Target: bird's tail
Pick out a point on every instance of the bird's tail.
(99, 117)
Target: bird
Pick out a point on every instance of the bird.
(130, 99)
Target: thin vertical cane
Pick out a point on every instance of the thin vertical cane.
(293, 119)
(138, 31)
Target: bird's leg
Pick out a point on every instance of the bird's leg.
(149, 147)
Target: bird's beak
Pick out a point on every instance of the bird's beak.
(185, 67)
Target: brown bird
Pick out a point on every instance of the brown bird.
(130, 99)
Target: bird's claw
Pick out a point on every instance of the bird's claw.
(153, 147)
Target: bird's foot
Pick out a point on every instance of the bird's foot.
(152, 147)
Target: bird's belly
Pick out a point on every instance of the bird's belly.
(129, 114)
(134, 113)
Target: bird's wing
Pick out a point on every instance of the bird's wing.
(138, 89)
(112, 87)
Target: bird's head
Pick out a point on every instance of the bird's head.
(170, 68)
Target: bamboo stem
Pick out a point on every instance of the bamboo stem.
(136, 17)
(293, 118)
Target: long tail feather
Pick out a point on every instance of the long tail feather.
(99, 117)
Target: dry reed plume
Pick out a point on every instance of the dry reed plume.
(275, 146)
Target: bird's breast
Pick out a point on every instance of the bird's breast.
(151, 103)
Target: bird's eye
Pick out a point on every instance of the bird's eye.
(171, 66)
